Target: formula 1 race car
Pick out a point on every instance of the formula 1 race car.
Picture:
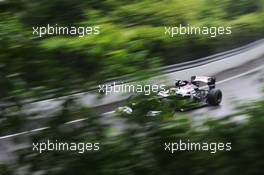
(198, 92)
(199, 89)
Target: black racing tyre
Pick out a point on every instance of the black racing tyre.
(214, 97)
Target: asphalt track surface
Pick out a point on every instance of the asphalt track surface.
(238, 85)
(241, 85)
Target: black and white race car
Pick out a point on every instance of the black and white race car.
(199, 89)
(198, 92)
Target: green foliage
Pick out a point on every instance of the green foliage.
(5, 170)
(132, 39)
(138, 148)
(131, 42)
(234, 8)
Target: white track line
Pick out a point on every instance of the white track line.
(241, 75)
(23, 133)
(111, 112)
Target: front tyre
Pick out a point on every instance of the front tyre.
(214, 97)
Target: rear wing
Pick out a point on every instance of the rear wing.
(210, 81)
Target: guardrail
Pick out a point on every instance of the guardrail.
(207, 66)
(193, 63)
(217, 63)
(181, 71)
(209, 59)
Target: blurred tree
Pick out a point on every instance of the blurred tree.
(236, 8)
(132, 41)
(139, 147)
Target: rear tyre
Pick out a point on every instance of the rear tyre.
(214, 97)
